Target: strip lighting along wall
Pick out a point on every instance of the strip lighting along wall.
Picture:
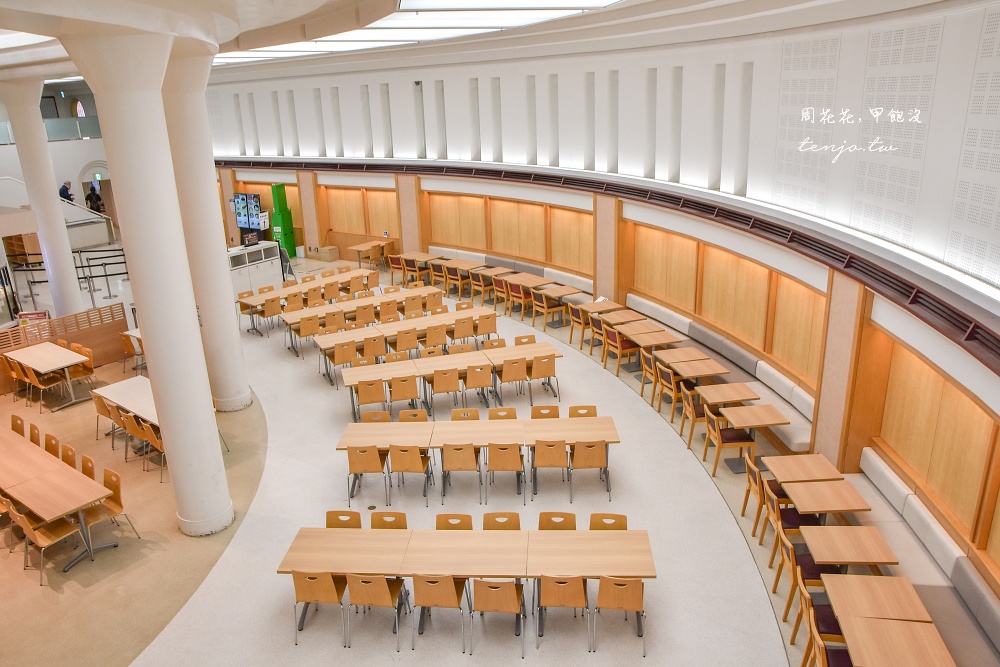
(424, 21)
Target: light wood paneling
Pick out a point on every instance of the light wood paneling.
(868, 390)
(383, 213)
(666, 266)
(294, 201)
(572, 239)
(457, 220)
(959, 453)
(347, 210)
(518, 228)
(798, 328)
(993, 545)
(734, 295)
(912, 401)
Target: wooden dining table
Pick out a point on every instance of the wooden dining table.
(874, 597)
(801, 468)
(616, 318)
(134, 394)
(49, 358)
(883, 642)
(529, 280)
(726, 392)
(421, 257)
(849, 545)
(698, 368)
(679, 354)
(833, 497)
(493, 271)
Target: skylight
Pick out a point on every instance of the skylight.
(425, 21)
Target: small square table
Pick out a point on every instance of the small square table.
(559, 292)
(753, 416)
(617, 317)
(366, 246)
(832, 497)
(346, 551)
(848, 545)
(463, 264)
(571, 429)
(881, 642)
(529, 280)
(874, 597)
(801, 468)
(729, 392)
(638, 327)
(679, 354)
(590, 553)
(384, 434)
(699, 368)
(493, 271)
(597, 307)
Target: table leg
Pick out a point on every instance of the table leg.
(73, 400)
(253, 326)
(89, 551)
(302, 617)
(639, 629)
(420, 622)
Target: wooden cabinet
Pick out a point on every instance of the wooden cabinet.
(22, 248)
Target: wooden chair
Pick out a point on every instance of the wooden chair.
(316, 588)
(374, 346)
(314, 297)
(826, 620)
(436, 336)
(620, 595)
(455, 279)
(589, 455)
(84, 370)
(482, 285)
(524, 340)
(403, 388)
(343, 519)
(648, 370)
(547, 454)
(583, 411)
(464, 329)
(622, 346)
(406, 340)
(43, 536)
(17, 424)
(596, 335)
(366, 460)
(35, 435)
(480, 380)
(691, 408)
(293, 302)
(501, 292)
(388, 520)
(577, 320)
(407, 459)
(437, 351)
(376, 416)
(20, 376)
(342, 354)
(459, 348)
(486, 326)
(556, 521)
(377, 254)
(518, 295)
(387, 308)
(152, 436)
(799, 564)
(68, 455)
(784, 520)
(52, 445)
(512, 370)
(370, 392)
(494, 344)
(503, 413)
(438, 592)
(754, 481)
(460, 458)
(418, 415)
(344, 298)
(395, 266)
(344, 268)
(667, 382)
(505, 458)
(391, 289)
(563, 593)
(111, 507)
(501, 521)
(272, 308)
(601, 521)
(365, 314)
(308, 278)
(724, 438)
(503, 597)
(336, 321)
(245, 310)
(306, 328)
(87, 467)
(412, 305)
(394, 357)
(823, 655)
(543, 368)
(376, 591)
(327, 273)
(453, 522)
(545, 412)
(463, 415)
(438, 275)
(442, 382)
(545, 306)
(128, 344)
(44, 382)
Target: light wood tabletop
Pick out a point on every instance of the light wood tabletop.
(753, 416)
(822, 497)
(698, 368)
(346, 551)
(596, 307)
(479, 433)
(463, 264)
(618, 317)
(848, 545)
(530, 352)
(390, 329)
(590, 553)
(21, 461)
(349, 307)
(357, 336)
(729, 392)
(134, 394)
(493, 271)
(420, 256)
(638, 327)
(295, 316)
(874, 597)
(382, 372)
(467, 553)
(679, 354)
(559, 291)
(459, 362)
(801, 468)
(368, 245)
(384, 434)
(46, 357)
(257, 300)
(529, 280)
(881, 642)
(571, 429)
(659, 338)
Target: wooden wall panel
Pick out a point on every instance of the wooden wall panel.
(750, 301)
(798, 328)
(572, 239)
(681, 261)
(718, 287)
(868, 390)
(347, 210)
(294, 201)
(472, 222)
(960, 450)
(457, 220)
(504, 226)
(531, 231)
(993, 545)
(445, 219)
(383, 213)
(912, 402)
(651, 249)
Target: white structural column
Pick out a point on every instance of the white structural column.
(204, 234)
(21, 98)
(125, 71)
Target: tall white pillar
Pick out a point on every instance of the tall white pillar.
(125, 71)
(204, 233)
(22, 97)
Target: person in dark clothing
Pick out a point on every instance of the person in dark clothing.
(65, 193)
(94, 200)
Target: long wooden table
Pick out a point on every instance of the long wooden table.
(47, 358)
(257, 300)
(47, 486)
(349, 307)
